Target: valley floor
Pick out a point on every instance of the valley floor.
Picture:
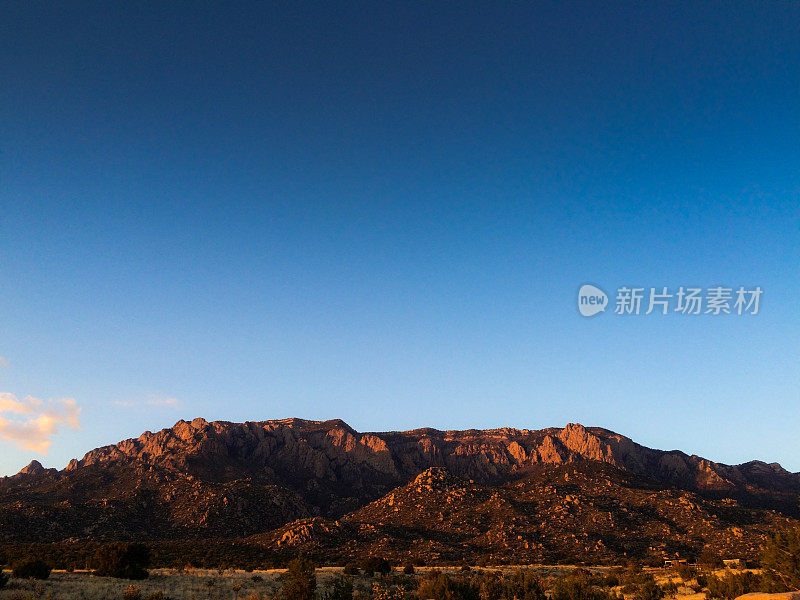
(206, 584)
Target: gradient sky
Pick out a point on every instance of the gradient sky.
(383, 211)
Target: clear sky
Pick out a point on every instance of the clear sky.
(383, 212)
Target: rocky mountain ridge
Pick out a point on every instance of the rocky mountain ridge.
(328, 450)
(295, 484)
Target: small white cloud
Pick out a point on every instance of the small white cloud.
(33, 423)
(9, 403)
(162, 401)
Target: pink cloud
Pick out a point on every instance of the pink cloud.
(31, 423)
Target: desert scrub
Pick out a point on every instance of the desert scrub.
(133, 593)
(170, 585)
(32, 569)
(125, 561)
(299, 580)
(387, 592)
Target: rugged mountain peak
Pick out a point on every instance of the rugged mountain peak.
(587, 444)
(33, 468)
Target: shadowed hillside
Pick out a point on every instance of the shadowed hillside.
(326, 489)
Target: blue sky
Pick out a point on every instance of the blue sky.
(383, 212)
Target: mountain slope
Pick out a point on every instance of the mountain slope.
(294, 482)
(592, 512)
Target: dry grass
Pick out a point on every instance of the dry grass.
(197, 585)
(207, 584)
(193, 584)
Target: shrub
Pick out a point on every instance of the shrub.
(340, 588)
(632, 581)
(392, 592)
(686, 572)
(610, 580)
(351, 568)
(124, 561)
(781, 559)
(577, 585)
(576, 590)
(490, 586)
(408, 568)
(438, 586)
(523, 585)
(133, 593)
(375, 564)
(3, 579)
(709, 559)
(733, 585)
(649, 590)
(634, 566)
(670, 588)
(299, 580)
(32, 568)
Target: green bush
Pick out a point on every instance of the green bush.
(710, 559)
(340, 588)
(351, 568)
(578, 585)
(299, 580)
(375, 564)
(523, 585)
(32, 569)
(132, 593)
(670, 588)
(438, 586)
(610, 580)
(649, 590)
(123, 561)
(686, 572)
(781, 559)
(732, 585)
(633, 580)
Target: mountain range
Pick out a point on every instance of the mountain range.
(319, 487)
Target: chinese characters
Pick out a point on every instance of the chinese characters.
(688, 300)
